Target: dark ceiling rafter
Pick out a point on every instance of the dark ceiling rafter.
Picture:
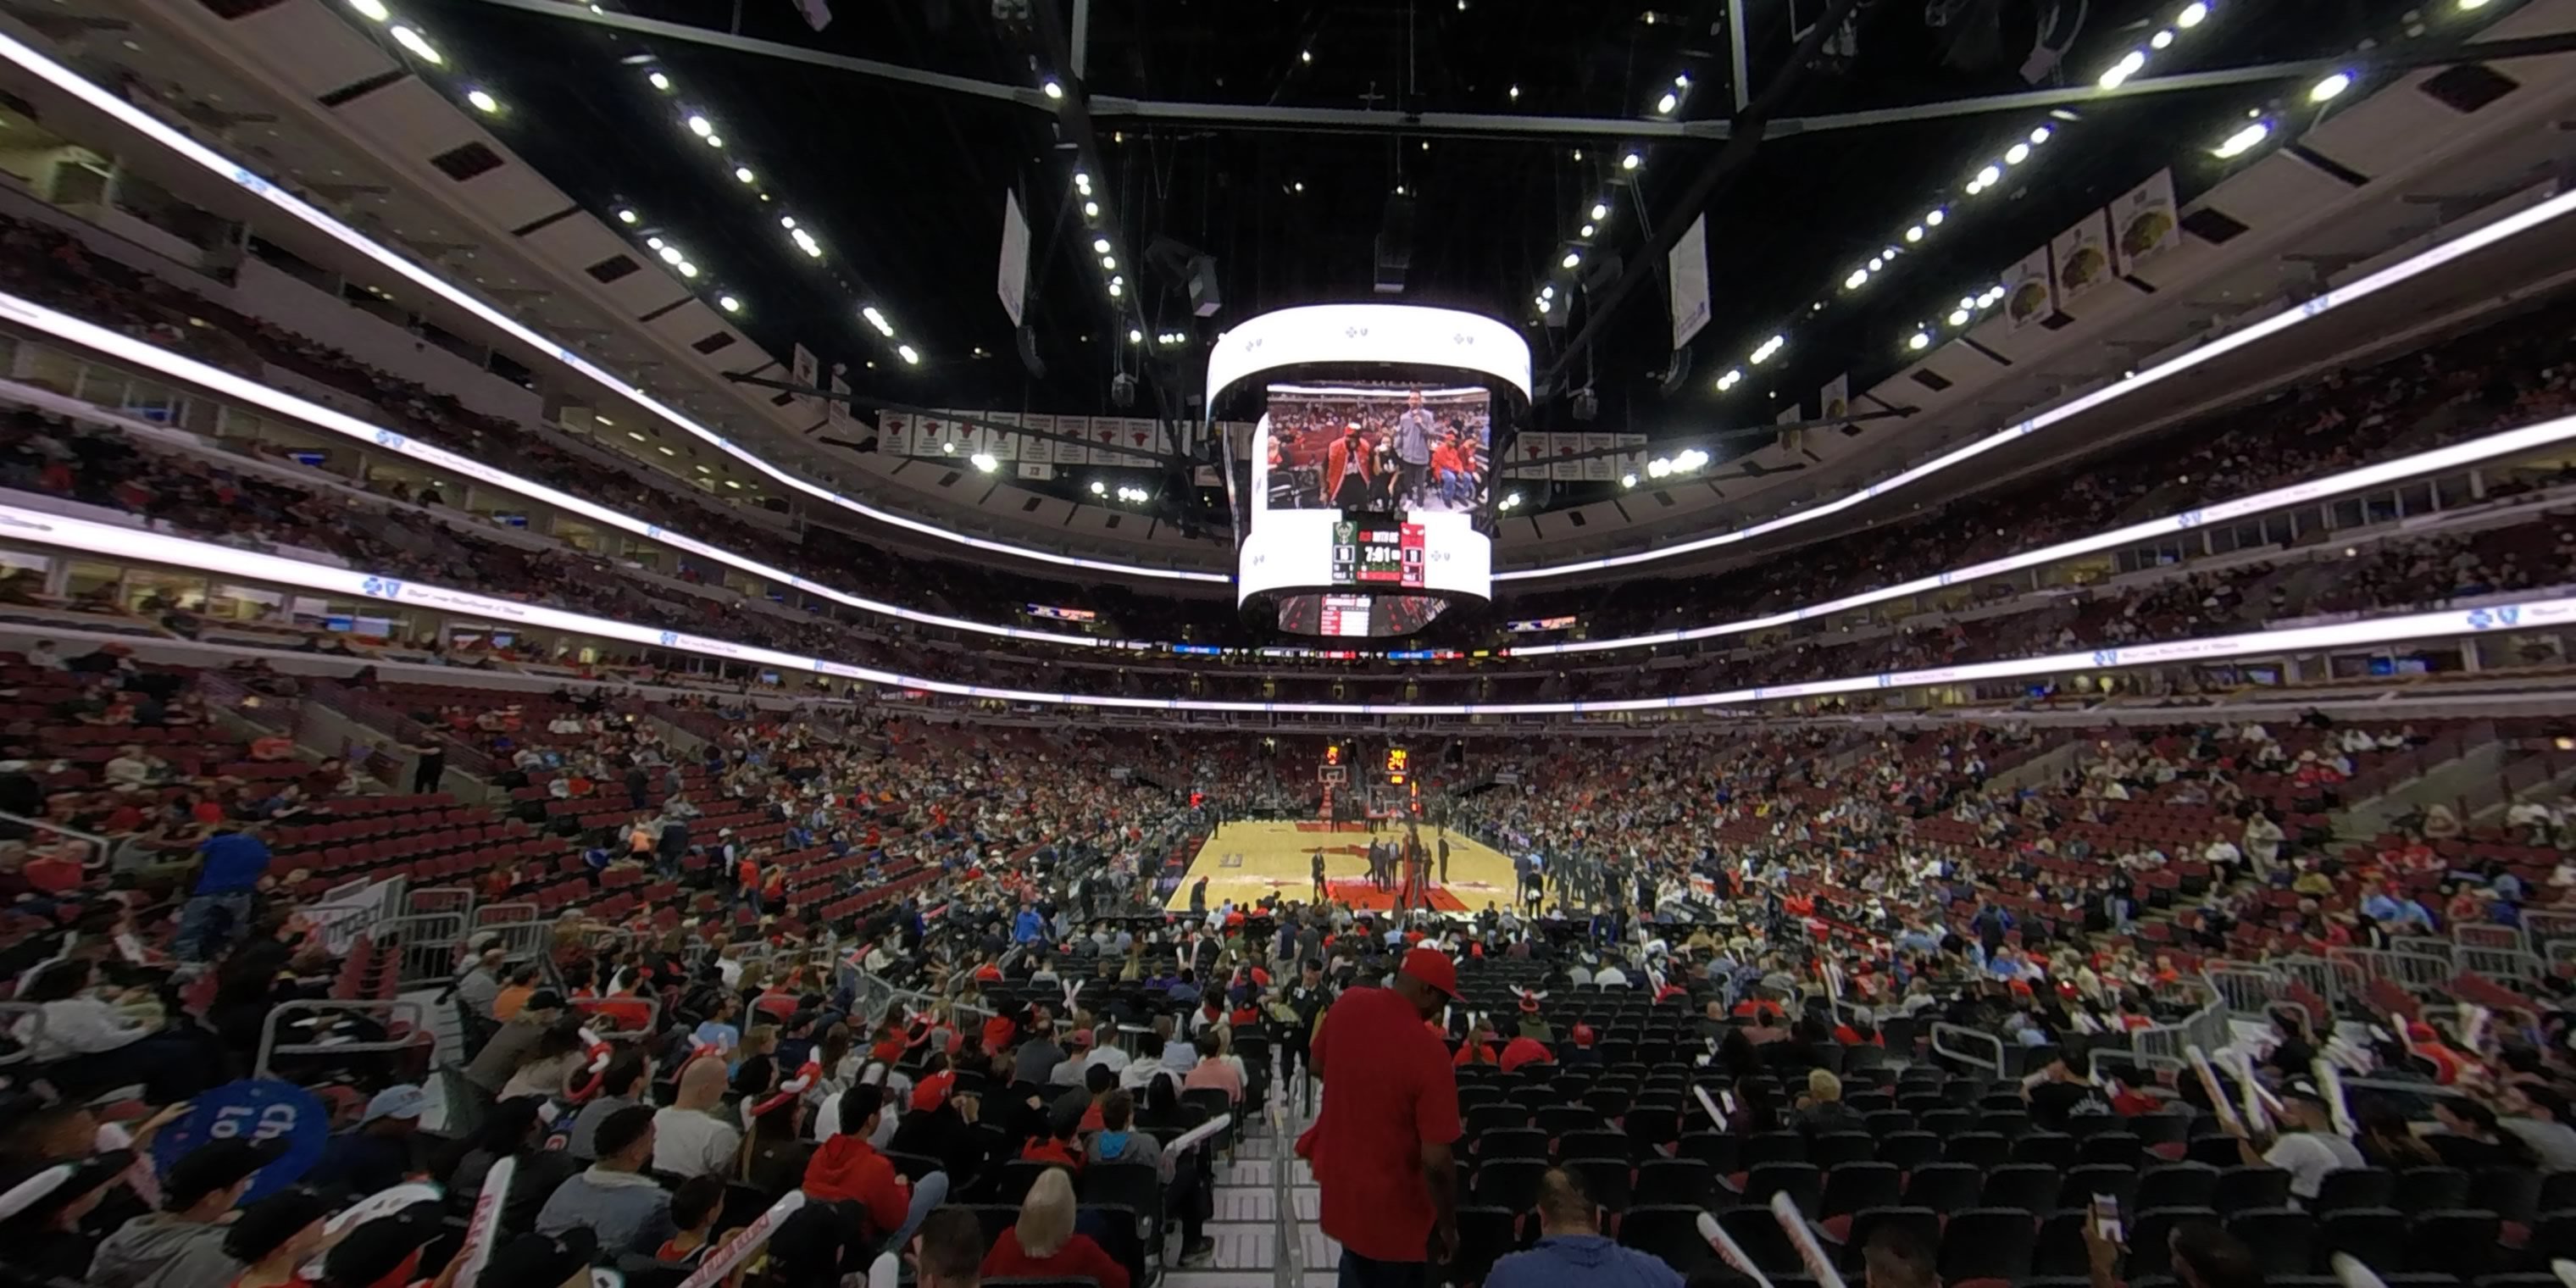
(1750, 127)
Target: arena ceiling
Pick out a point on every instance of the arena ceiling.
(903, 182)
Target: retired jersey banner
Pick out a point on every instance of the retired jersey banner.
(2144, 223)
(1687, 265)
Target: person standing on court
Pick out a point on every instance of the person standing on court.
(1323, 892)
(1444, 856)
(1380, 1149)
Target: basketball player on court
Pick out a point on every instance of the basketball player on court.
(1323, 892)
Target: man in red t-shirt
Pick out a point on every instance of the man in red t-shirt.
(1380, 1149)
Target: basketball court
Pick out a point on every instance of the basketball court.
(1246, 861)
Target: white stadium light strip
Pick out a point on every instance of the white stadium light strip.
(188, 371)
(136, 119)
(115, 106)
(2468, 243)
(131, 352)
(2510, 442)
(37, 528)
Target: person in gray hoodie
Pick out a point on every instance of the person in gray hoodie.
(181, 1246)
(615, 1198)
(1571, 1253)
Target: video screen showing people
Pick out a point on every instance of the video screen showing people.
(1368, 447)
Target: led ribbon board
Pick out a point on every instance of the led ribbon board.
(134, 545)
(179, 369)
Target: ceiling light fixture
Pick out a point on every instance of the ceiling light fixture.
(1920, 341)
(418, 45)
(1571, 259)
(2161, 40)
(1053, 90)
(1100, 245)
(1959, 317)
(1586, 231)
(1600, 211)
(984, 461)
(687, 269)
(1631, 161)
(729, 304)
(374, 10)
(1091, 210)
(483, 102)
(701, 126)
(878, 320)
(660, 82)
(743, 173)
(1914, 234)
(2195, 11)
(2243, 141)
(627, 217)
(1990, 176)
(1667, 103)
(671, 254)
(1733, 377)
(2130, 64)
(2330, 87)
(910, 355)
(2016, 154)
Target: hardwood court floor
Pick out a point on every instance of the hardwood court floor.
(1245, 861)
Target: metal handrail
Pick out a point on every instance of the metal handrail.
(395, 1011)
(1944, 1029)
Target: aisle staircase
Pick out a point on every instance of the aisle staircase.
(1265, 1210)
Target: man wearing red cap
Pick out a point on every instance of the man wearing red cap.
(1380, 1149)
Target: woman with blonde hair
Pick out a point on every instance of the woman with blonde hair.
(1043, 1244)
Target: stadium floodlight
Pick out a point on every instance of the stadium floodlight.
(984, 461)
(701, 126)
(1135, 336)
(1919, 341)
(671, 254)
(1914, 234)
(729, 303)
(743, 173)
(483, 101)
(1959, 317)
(687, 269)
(1600, 211)
(1548, 291)
(660, 82)
(1099, 488)
(1658, 468)
(1631, 161)
(2041, 135)
(1109, 262)
(2130, 64)
(1665, 105)
(1571, 259)
(1587, 230)
(787, 222)
(715, 140)
(1859, 278)
(1091, 210)
(1990, 176)
(2243, 141)
(2016, 154)
(1053, 90)
(1627, 480)
(2161, 40)
(1733, 377)
(372, 10)
(654, 243)
(910, 355)
(1116, 290)
(1099, 245)
(2192, 13)
(1932, 218)
(628, 217)
(2330, 87)
(878, 320)
(419, 45)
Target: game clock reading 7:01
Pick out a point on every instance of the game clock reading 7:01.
(1377, 553)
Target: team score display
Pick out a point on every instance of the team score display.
(1377, 554)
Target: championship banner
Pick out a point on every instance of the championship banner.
(894, 433)
(1632, 455)
(2030, 291)
(1687, 269)
(1603, 468)
(1033, 449)
(1562, 467)
(1001, 442)
(1105, 433)
(928, 434)
(2145, 223)
(838, 414)
(1143, 436)
(1073, 452)
(1533, 448)
(808, 371)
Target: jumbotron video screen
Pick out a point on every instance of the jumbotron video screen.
(1369, 489)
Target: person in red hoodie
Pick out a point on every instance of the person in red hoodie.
(847, 1167)
(1043, 1244)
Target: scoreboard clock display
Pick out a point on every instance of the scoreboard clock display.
(1377, 551)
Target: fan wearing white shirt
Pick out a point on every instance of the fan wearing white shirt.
(2307, 1149)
